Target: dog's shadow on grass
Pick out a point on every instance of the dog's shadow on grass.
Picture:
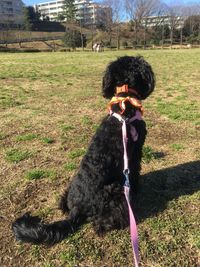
(159, 187)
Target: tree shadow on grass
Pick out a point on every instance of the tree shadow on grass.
(159, 187)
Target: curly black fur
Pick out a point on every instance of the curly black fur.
(95, 193)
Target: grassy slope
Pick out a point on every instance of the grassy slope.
(50, 107)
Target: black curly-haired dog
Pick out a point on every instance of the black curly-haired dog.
(95, 193)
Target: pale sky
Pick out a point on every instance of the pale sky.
(32, 2)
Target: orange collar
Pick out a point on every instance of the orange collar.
(122, 100)
(125, 89)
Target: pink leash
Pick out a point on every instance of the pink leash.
(133, 226)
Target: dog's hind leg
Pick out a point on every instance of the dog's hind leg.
(63, 203)
(113, 213)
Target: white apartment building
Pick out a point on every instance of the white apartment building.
(11, 12)
(87, 11)
(176, 21)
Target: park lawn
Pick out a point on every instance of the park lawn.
(50, 106)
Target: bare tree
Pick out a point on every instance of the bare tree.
(161, 22)
(138, 11)
(173, 21)
(7, 33)
(179, 13)
(192, 22)
(114, 18)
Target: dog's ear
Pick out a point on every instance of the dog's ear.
(108, 83)
(146, 80)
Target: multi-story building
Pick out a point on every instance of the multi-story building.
(92, 13)
(176, 22)
(11, 13)
(87, 11)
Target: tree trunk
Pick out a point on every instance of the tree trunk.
(110, 38)
(92, 37)
(118, 37)
(82, 42)
(163, 31)
(145, 29)
(171, 37)
(136, 33)
(181, 37)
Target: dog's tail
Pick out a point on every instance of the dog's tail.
(30, 229)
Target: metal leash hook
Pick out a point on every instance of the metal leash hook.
(126, 174)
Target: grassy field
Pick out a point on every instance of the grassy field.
(50, 106)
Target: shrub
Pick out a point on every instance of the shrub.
(125, 44)
(73, 39)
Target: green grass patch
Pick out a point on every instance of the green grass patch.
(70, 166)
(47, 140)
(35, 251)
(9, 102)
(44, 212)
(179, 111)
(69, 257)
(48, 265)
(16, 155)
(2, 136)
(66, 127)
(30, 137)
(177, 146)
(90, 248)
(37, 174)
(76, 153)
(87, 120)
(147, 154)
(26, 137)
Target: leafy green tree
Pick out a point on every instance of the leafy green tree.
(69, 10)
(74, 39)
(31, 17)
(60, 17)
(27, 20)
(160, 32)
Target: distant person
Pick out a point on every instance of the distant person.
(95, 47)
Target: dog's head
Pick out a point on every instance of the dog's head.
(132, 71)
